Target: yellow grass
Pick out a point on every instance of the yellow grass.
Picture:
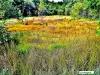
(65, 27)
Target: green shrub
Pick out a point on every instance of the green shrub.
(76, 9)
(4, 34)
(24, 48)
(98, 32)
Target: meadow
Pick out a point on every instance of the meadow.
(51, 45)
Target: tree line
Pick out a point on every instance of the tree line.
(25, 8)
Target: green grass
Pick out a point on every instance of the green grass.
(57, 46)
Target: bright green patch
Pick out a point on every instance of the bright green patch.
(24, 48)
(57, 46)
(98, 32)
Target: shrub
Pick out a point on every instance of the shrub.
(76, 9)
(98, 32)
(4, 34)
(24, 48)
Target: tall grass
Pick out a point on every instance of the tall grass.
(81, 53)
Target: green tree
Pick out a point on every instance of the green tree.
(41, 7)
(61, 10)
(94, 6)
(5, 5)
(76, 9)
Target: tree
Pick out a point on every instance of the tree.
(76, 9)
(13, 12)
(41, 8)
(29, 9)
(5, 5)
(94, 5)
(18, 3)
(61, 10)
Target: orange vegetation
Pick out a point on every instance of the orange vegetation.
(23, 28)
(64, 27)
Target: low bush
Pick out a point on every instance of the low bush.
(4, 34)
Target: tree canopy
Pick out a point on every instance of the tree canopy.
(82, 8)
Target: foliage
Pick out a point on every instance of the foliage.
(41, 8)
(94, 5)
(4, 35)
(18, 2)
(81, 8)
(13, 12)
(67, 9)
(60, 10)
(1, 14)
(23, 48)
(5, 5)
(29, 9)
(76, 9)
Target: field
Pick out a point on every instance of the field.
(52, 45)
